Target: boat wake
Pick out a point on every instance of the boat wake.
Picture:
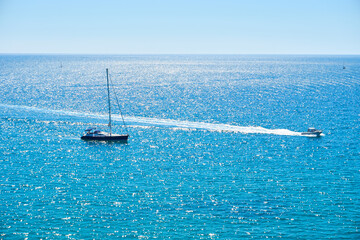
(216, 127)
(133, 121)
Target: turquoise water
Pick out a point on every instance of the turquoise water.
(215, 150)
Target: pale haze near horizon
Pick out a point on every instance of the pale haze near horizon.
(180, 27)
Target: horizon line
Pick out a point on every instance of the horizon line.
(143, 54)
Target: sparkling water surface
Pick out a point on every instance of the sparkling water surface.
(215, 150)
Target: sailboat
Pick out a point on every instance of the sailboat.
(95, 134)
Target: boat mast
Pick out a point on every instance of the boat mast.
(107, 78)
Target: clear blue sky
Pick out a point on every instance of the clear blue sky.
(180, 26)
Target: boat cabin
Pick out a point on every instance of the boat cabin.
(312, 129)
(95, 131)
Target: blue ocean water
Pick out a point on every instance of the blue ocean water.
(215, 150)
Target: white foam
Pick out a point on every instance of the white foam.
(209, 126)
(169, 123)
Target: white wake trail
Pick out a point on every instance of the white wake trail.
(218, 127)
(169, 123)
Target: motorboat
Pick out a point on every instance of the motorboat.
(312, 132)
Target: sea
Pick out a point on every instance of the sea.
(215, 148)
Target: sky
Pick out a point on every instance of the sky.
(180, 26)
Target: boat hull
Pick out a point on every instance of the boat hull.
(311, 134)
(106, 138)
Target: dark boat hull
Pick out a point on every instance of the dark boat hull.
(106, 138)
